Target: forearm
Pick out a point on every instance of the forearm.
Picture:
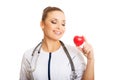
(89, 72)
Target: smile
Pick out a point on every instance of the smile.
(57, 32)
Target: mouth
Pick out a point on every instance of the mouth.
(57, 32)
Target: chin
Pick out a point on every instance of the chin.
(58, 38)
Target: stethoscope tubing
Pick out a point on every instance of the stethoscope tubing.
(34, 61)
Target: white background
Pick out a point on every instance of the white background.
(98, 20)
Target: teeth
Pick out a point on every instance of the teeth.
(57, 32)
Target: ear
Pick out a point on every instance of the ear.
(42, 24)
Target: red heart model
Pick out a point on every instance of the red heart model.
(78, 40)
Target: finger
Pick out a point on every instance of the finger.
(85, 39)
(87, 48)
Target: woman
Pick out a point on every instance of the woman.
(54, 60)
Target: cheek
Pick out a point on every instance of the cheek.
(46, 29)
(64, 29)
(48, 26)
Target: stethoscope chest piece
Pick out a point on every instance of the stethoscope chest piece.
(73, 76)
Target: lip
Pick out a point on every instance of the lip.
(57, 32)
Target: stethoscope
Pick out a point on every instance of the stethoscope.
(35, 57)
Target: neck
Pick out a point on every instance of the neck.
(50, 45)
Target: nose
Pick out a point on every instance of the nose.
(59, 26)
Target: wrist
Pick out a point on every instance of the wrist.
(90, 60)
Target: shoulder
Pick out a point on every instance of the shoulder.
(28, 54)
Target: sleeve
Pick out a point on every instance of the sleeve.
(25, 73)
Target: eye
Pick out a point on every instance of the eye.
(53, 22)
(63, 24)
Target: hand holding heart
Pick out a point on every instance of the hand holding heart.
(87, 49)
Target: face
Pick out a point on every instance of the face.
(54, 25)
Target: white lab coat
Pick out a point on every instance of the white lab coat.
(33, 68)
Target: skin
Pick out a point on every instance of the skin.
(53, 28)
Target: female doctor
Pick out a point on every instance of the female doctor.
(51, 59)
